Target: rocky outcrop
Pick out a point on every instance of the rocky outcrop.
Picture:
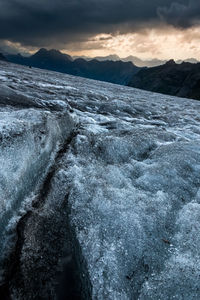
(181, 80)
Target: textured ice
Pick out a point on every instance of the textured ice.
(131, 175)
(29, 140)
(130, 215)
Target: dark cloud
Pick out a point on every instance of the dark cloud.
(181, 15)
(58, 22)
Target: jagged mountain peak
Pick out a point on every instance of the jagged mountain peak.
(170, 62)
(52, 53)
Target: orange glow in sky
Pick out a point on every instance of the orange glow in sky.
(163, 43)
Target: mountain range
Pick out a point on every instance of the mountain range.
(111, 71)
(182, 80)
(137, 61)
(172, 78)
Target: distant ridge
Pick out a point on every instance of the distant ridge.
(111, 71)
(181, 80)
(137, 61)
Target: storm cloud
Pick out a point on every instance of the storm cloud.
(55, 22)
(181, 15)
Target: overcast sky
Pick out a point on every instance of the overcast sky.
(145, 28)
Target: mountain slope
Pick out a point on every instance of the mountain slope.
(115, 72)
(110, 71)
(2, 57)
(182, 80)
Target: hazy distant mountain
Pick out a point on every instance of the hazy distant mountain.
(182, 80)
(82, 56)
(111, 71)
(144, 63)
(112, 57)
(2, 57)
(190, 60)
(135, 60)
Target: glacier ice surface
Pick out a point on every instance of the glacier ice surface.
(132, 176)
